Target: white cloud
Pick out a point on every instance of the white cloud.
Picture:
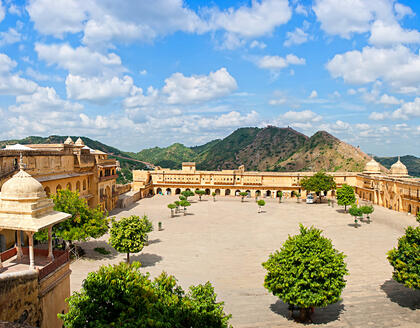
(408, 110)
(42, 77)
(388, 34)
(13, 84)
(275, 102)
(143, 72)
(257, 44)
(79, 61)
(313, 94)
(298, 36)
(277, 62)
(301, 116)
(97, 89)
(15, 10)
(402, 10)
(9, 37)
(196, 88)
(362, 126)
(138, 99)
(302, 10)
(2, 11)
(388, 100)
(231, 41)
(397, 66)
(258, 20)
(376, 116)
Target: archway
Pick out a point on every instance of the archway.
(68, 186)
(159, 191)
(409, 208)
(150, 192)
(78, 186)
(207, 191)
(227, 192)
(217, 191)
(2, 243)
(418, 210)
(268, 193)
(278, 193)
(258, 193)
(58, 188)
(248, 192)
(177, 191)
(47, 191)
(84, 184)
(188, 189)
(168, 191)
(237, 192)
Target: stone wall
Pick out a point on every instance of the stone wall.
(19, 297)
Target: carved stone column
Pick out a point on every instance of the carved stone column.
(19, 245)
(31, 249)
(50, 248)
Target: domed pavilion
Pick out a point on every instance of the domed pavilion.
(372, 168)
(399, 170)
(24, 207)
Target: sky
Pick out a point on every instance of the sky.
(139, 74)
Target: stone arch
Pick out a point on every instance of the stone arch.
(207, 191)
(150, 192)
(217, 191)
(168, 191)
(258, 193)
(84, 184)
(68, 186)
(58, 188)
(177, 191)
(409, 208)
(47, 191)
(237, 192)
(78, 186)
(248, 192)
(15, 163)
(188, 189)
(227, 192)
(278, 193)
(159, 191)
(268, 193)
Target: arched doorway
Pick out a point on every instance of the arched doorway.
(150, 192)
(237, 192)
(159, 191)
(188, 189)
(207, 191)
(58, 188)
(217, 191)
(409, 208)
(227, 192)
(68, 186)
(84, 184)
(177, 191)
(278, 193)
(293, 193)
(268, 193)
(249, 193)
(78, 186)
(47, 191)
(258, 193)
(168, 191)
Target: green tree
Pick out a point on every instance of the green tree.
(128, 235)
(306, 272)
(260, 204)
(214, 196)
(406, 258)
(177, 204)
(318, 183)
(368, 210)
(243, 194)
(345, 196)
(280, 194)
(185, 204)
(172, 207)
(356, 212)
(298, 197)
(182, 198)
(84, 223)
(200, 193)
(187, 193)
(122, 296)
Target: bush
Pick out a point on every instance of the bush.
(121, 296)
(307, 271)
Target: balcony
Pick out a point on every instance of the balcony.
(107, 162)
(109, 177)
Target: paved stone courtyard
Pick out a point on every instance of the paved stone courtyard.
(226, 241)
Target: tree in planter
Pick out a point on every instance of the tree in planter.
(200, 193)
(306, 272)
(346, 196)
(84, 223)
(122, 296)
(185, 204)
(280, 194)
(182, 198)
(298, 197)
(368, 210)
(214, 196)
(187, 193)
(177, 204)
(260, 204)
(243, 194)
(172, 207)
(356, 212)
(318, 183)
(129, 235)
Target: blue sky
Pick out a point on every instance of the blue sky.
(137, 74)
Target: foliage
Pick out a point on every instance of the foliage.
(367, 209)
(84, 223)
(214, 196)
(346, 196)
(200, 193)
(356, 211)
(101, 250)
(182, 198)
(318, 183)
(307, 271)
(418, 217)
(122, 296)
(406, 258)
(185, 204)
(177, 204)
(186, 194)
(128, 235)
(261, 202)
(243, 194)
(172, 207)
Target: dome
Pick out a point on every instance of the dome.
(79, 142)
(372, 167)
(398, 169)
(69, 141)
(22, 186)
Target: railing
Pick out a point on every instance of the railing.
(109, 177)
(8, 254)
(54, 265)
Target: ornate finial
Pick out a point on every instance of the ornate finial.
(399, 159)
(21, 165)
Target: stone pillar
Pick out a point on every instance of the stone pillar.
(19, 245)
(1, 264)
(31, 249)
(50, 248)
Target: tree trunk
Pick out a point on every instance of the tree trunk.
(345, 208)
(185, 211)
(305, 315)
(172, 213)
(128, 258)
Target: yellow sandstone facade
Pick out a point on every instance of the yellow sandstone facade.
(394, 189)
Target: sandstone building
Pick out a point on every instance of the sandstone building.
(393, 189)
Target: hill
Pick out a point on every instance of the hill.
(269, 149)
(412, 163)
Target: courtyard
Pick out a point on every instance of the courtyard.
(226, 241)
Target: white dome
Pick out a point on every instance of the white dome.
(69, 141)
(399, 169)
(22, 186)
(79, 142)
(372, 167)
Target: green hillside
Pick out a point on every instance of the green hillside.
(412, 163)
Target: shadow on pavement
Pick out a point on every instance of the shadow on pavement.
(321, 315)
(403, 296)
(90, 253)
(146, 259)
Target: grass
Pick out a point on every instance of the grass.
(102, 250)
